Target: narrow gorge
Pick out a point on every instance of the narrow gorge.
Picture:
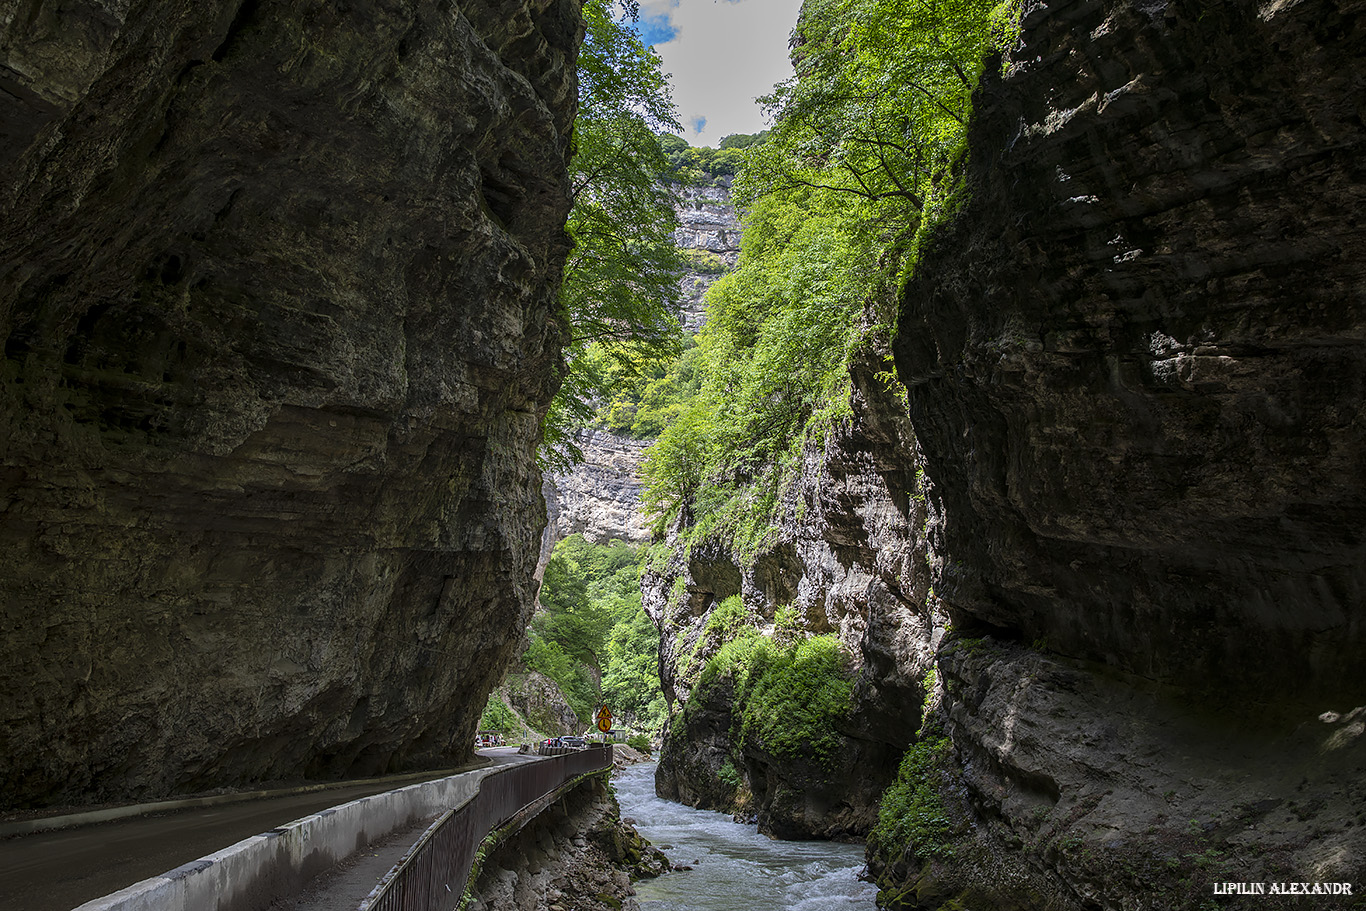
(1051, 591)
(1097, 571)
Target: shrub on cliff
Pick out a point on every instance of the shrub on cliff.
(912, 818)
(789, 699)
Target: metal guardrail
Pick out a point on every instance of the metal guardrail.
(433, 875)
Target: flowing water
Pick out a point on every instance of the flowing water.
(734, 867)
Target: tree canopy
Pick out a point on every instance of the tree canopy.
(878, 103)
(621, 279)
(594, 628)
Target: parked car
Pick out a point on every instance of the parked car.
(573, 740)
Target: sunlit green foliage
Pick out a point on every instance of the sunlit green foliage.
(866, 136)
(702, 166)
(621, 278)
(593, 627)
(771, 357)
(878, 106)
(497, 717)
(790, 698)
(643, 395)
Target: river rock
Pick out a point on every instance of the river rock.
(278, 302)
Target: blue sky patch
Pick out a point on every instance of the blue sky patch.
(655, 29)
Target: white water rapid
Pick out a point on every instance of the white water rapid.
(734, 867)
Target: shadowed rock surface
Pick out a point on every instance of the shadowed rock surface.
(277, 289)
(1136, 362)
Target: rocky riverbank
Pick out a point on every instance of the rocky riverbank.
(577, 855)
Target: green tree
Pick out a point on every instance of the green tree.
(863, 146)
(879, 100)
(593, 627)
(621, 278)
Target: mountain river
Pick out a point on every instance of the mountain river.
(734, 868)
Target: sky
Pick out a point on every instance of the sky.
(722, 55)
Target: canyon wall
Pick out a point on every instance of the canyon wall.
(277, 289)
(1136, 361)
(1137, 389)
(708, 227)
(849, 561)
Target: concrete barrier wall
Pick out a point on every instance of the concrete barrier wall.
(257, 870)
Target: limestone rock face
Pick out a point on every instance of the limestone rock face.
(851, 561)
(710, 227)
(707, 221)
(600, 498)
(1135, 362)
(276, 287)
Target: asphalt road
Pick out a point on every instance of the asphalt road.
(59, 870)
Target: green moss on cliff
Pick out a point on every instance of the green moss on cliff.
(789, 700)
(912, 817)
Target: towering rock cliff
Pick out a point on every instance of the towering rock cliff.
(1135, 365)
(277, 289)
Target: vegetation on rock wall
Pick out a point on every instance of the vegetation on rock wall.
(498, 717)
(593, 637)
(835, 194)
(702, 167)
(788, 698)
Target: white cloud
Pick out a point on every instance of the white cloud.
(724, 54)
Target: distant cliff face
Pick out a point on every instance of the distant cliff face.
(710, 227)
(600, 497)
(277, 306)
(1135, 365)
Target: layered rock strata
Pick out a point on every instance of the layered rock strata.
(1135, 362)
(276, 288)
(600, 497)
(709, 229)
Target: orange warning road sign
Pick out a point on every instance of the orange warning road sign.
(604, 719)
